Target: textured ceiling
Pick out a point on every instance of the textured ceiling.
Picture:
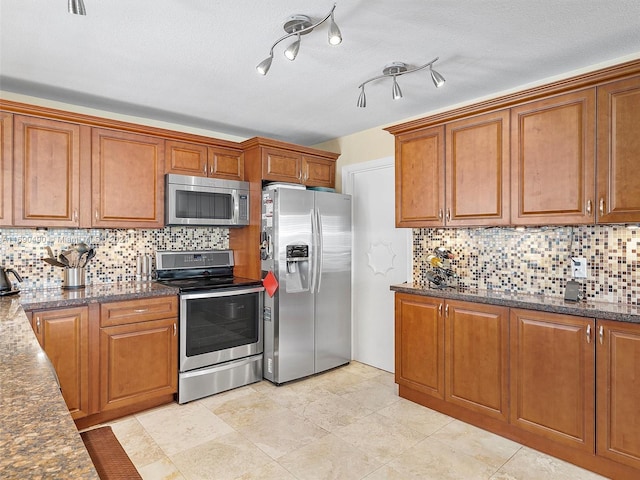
(192, 62)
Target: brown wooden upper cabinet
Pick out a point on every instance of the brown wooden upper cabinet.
(553, 160)
(204, 161)
(6, 168)
(420, 178)
(454, 175)
(48, 172)
(618, 161)
(294, 167)
(477, 170)
(127, 179)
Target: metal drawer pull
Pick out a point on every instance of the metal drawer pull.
(38, 325)
(175, 331)
(446, 311)
(601, 334)
(602, 206)
(141, 310)
(440, 214)
(440, 310)
(448, 214)
(588, 207)
(204, 170)
(588, 333)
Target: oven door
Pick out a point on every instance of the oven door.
(220, 325)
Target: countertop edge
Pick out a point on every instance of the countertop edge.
(600, 310)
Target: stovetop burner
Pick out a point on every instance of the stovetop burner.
(201, 270)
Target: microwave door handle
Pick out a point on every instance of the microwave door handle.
(236, 207)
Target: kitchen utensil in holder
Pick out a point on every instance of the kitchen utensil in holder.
(73, 278)
(442, 272)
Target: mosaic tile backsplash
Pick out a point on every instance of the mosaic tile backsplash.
(537, 260)
(116, 250)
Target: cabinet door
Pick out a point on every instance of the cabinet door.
(420, 344)
(552, 160)
(477, 357)
(618, 152)
(281, 166)
(552, 376)
(6, 168)
(128, 180)
(618, 391)
(64, 336)
(420, 178)
(318, 172)
(138, 362)
(186, 158)
(226, 163)
(47, 162)
(477, 170)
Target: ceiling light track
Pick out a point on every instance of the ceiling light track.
(298, 25)
(395, 70)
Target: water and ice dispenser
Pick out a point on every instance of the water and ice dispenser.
(297, 271)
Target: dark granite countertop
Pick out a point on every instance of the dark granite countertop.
(608, 311)
(38, 437)
(107, 292)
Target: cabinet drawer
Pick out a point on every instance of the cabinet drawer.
(133, 311)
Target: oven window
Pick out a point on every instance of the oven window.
(203, 205)
(218, 323)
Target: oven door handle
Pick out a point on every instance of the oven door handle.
(231, 292)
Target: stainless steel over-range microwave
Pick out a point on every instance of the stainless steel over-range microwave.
(191, 200)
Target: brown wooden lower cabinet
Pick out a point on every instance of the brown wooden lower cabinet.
(565, 385)
(137, 361)
(618, 392)
(64, 336)
(114, 358)
(552, 376)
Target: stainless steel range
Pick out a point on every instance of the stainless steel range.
(220, 334)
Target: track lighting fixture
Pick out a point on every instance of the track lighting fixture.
(298, 25)
(76, 7)
(394, 70)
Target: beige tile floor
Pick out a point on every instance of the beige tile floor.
(345, 424)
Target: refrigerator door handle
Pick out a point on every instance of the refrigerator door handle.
(320, 253)
(314, 250)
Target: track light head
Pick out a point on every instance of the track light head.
(264, 66)
(335, 37)
(76, 7)
(362, 99)
(396, 93)
(438, 80)
(292, 50)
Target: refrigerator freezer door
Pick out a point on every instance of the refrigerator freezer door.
(333, 287)
(294, 328)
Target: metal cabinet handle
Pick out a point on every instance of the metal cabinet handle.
(204, 169)
(175, 330)
(601, 334)
(602, 206)
(588, 333)
(75, 215)
(440, 214)
(446, 311)
(588, 207)
(96, 214)
(440, 310)
(38, 325)
(141, 310)
(448, 214)
(211, 169)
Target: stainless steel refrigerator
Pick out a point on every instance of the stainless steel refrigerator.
(306, 246)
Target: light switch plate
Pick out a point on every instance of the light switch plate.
(578, 267)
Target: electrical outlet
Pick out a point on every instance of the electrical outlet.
(579, 267)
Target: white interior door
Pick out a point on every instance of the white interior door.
(380, 258)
